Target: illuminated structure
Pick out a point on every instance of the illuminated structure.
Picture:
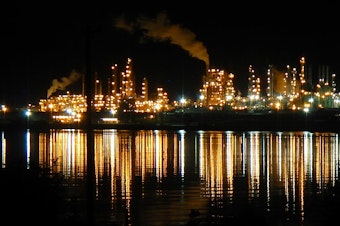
(302, 73)
(145, 90)
(325, 88)
(218, 89)
(270, 83)
(121, 89)
(127, 88)
(287, 89)
(64, 108)
(254, 89)
(291, 83)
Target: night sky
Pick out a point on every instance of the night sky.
(171, 45)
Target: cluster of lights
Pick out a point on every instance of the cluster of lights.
(217, 92)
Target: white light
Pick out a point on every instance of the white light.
(28, 113)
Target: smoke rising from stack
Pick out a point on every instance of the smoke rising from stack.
(161, 29)
(62, 83)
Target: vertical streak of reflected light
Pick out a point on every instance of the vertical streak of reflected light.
(216, 164)
(3, 150)
(164, 154)
(157, 155)
(301, 177)
(144, 145)
(113, 152)
(229, 158)
(62, 152)
(332, 158)
(126, 167)
(196, 149)
(181, 152)
(284, 167)
(28, 149)
(288, 171)
(293, 166)
(336, 157)
(52, 142)
(140, 154)
(148, 154)
(263, 153)
(210, 165)
(244, 153)
(161, 147)
(69, 151)
(138, 160)
(308, 156)
(100, 157)
(327, 162)
(279, 154)
(324, 162)
(254, 167)
(268, 154)
(43, 149)
(175, 153)
(201, 154)
(317, 162)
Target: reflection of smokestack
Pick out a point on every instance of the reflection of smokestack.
(161, 29)
(60, 84)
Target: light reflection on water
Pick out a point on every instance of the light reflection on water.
(156, 177)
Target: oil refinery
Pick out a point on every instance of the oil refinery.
(282, 91)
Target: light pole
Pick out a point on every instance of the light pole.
(183, 102)
(306, 110)
(4, 109)
(28, 113)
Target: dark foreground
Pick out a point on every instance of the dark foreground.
(34, 197)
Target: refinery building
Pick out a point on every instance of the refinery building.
(292, 89)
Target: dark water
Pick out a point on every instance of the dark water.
(156, 177)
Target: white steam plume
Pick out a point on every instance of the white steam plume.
(60, 84)
(161, 29)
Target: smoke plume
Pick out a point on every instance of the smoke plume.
(161, 29)
(62, 83)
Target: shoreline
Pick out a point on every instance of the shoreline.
(320, 120)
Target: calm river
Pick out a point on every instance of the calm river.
(162, 177)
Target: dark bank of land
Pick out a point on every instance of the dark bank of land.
(193, 119)
(321, 120)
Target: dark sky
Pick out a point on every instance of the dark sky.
(171, 45)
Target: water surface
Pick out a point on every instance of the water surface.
(163, 177)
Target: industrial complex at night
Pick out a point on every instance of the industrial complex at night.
(288, 91)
